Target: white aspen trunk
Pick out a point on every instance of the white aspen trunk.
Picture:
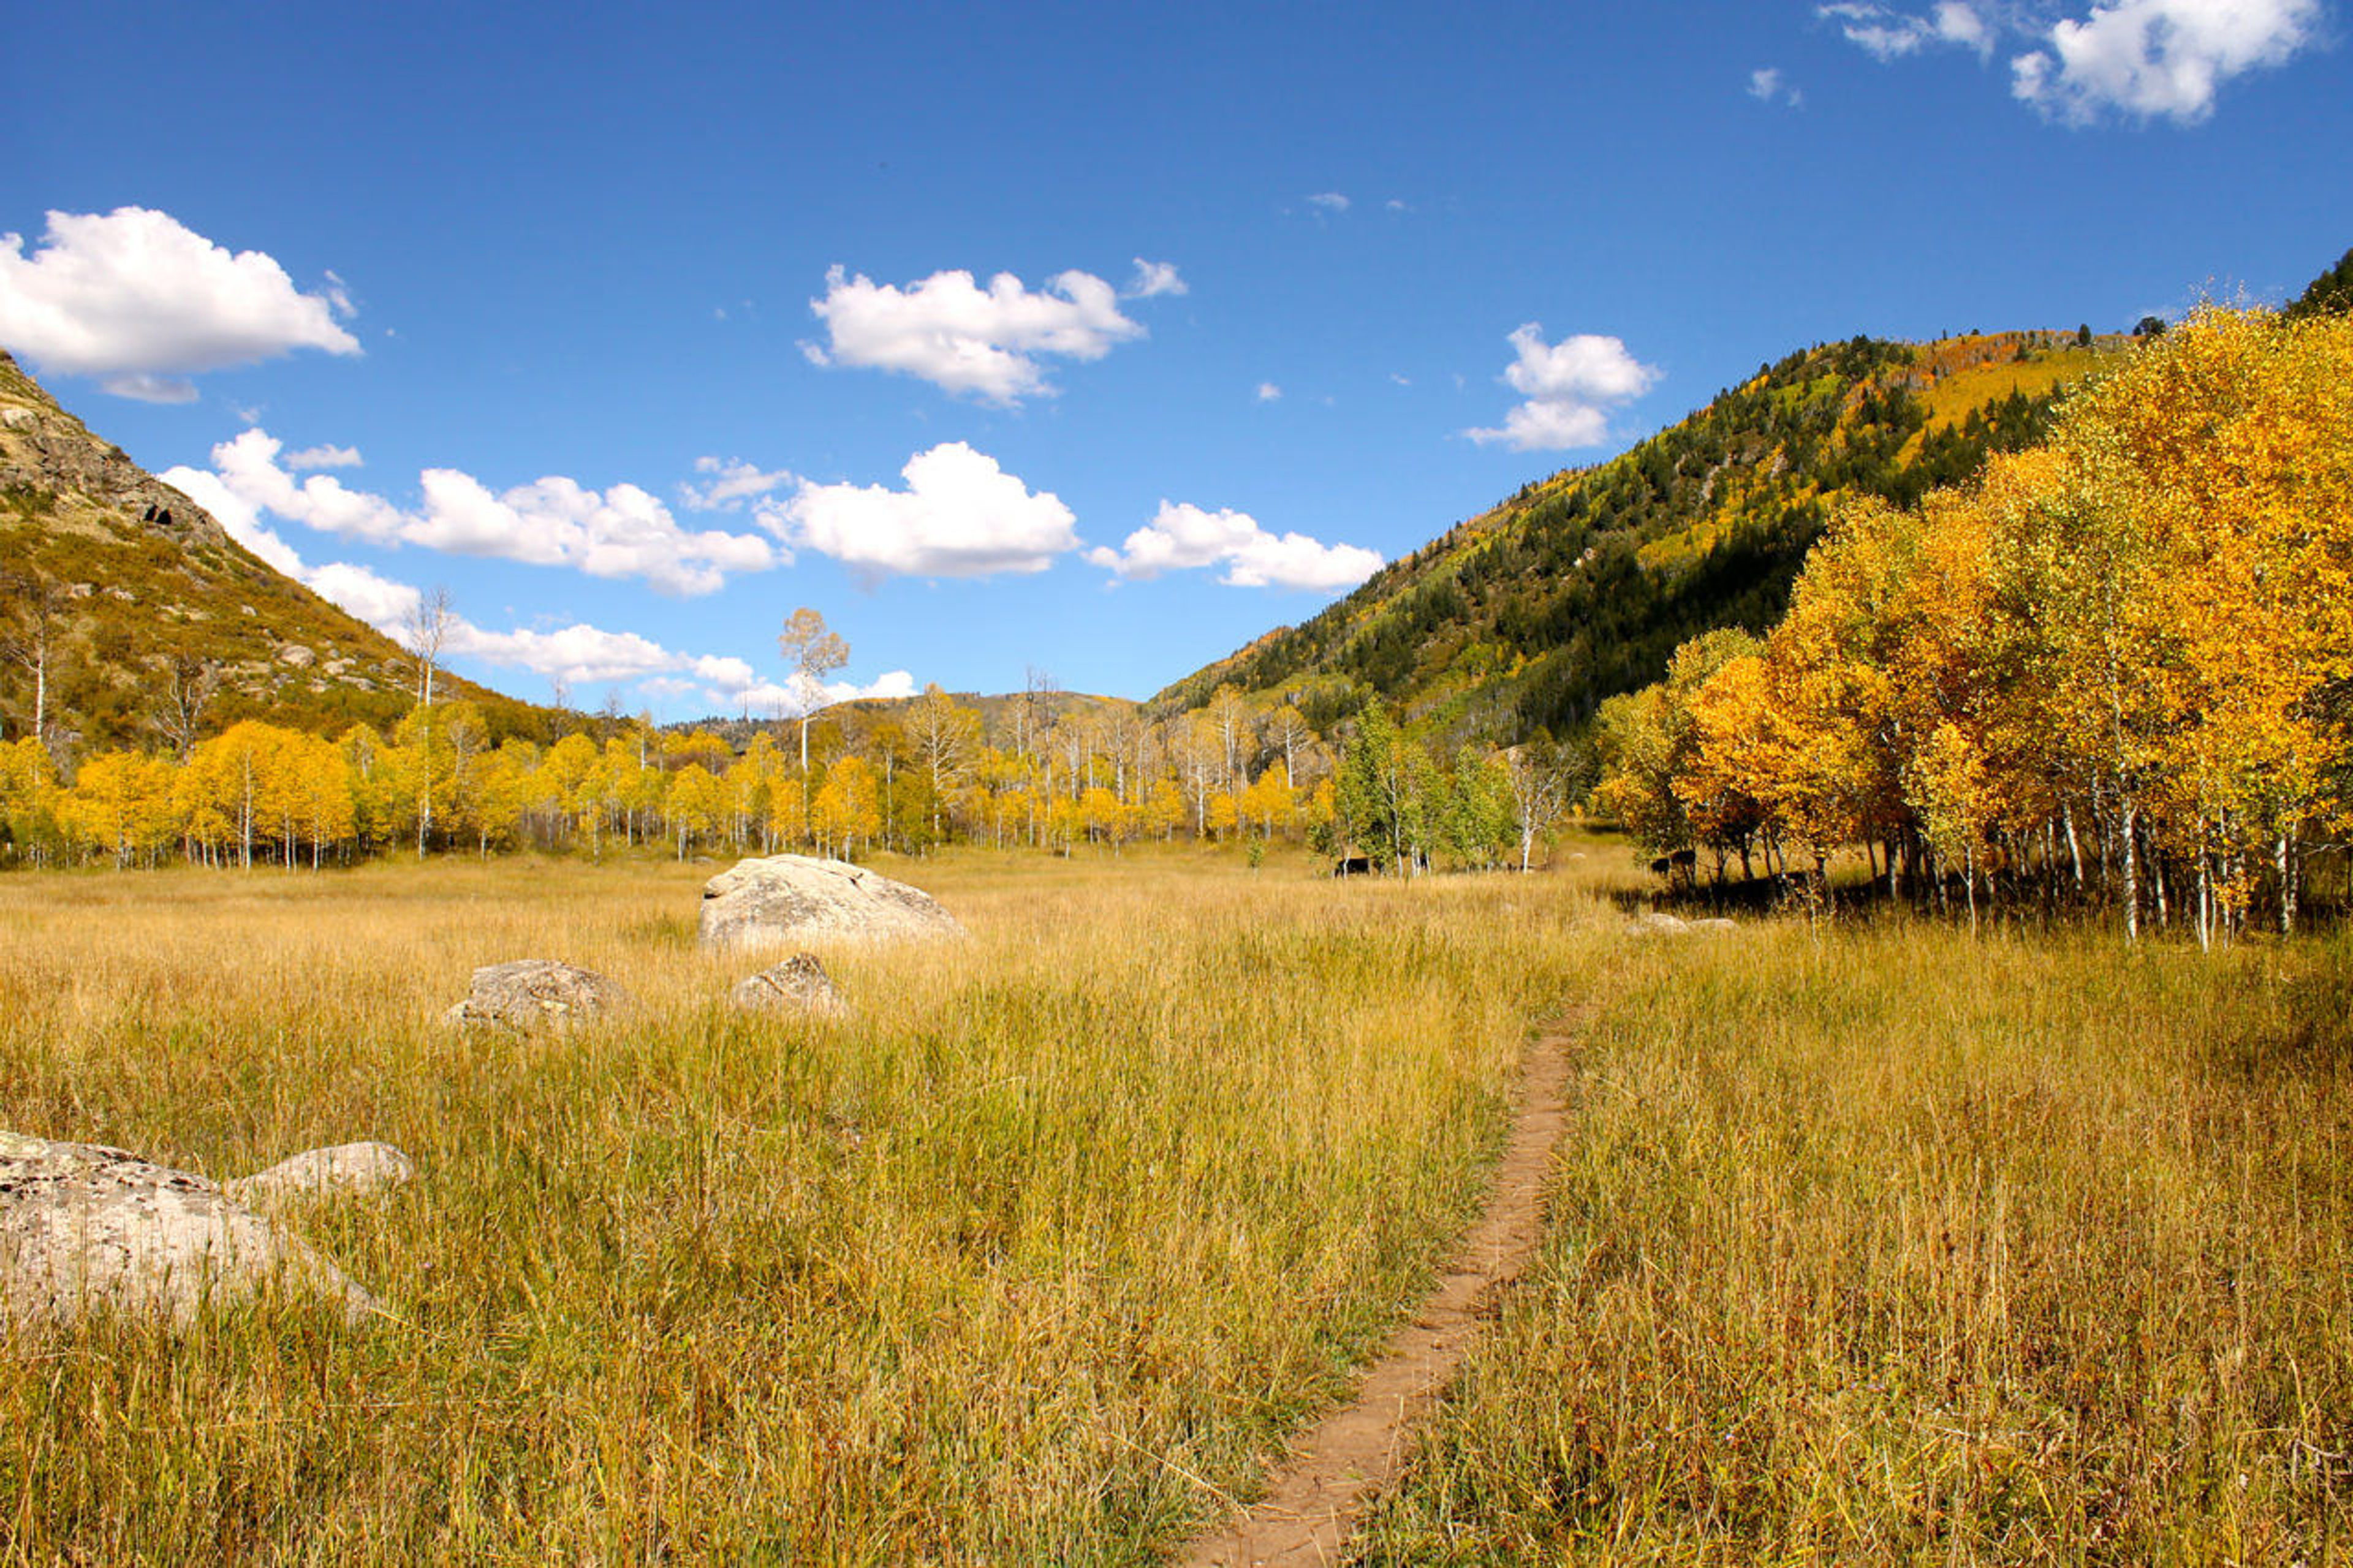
(2288, 879)
(2132, 872)
(2206, 900)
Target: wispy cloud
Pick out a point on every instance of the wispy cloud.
(1154, 279)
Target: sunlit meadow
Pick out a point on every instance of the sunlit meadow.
(1870, 1240)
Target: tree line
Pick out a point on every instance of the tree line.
(2114, 670)
(904, 776)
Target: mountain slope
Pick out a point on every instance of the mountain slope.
(1582, 585)
(2331, 292)
(137, 577)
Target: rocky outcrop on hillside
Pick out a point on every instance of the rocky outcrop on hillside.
(43, 448)
(125, 580)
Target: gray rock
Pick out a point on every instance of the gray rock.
(1658, 923)
(798, 984)
(787, 899)
(340, 1170)
(533, 994)
(84, 1225)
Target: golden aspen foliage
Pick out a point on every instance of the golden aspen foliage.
(2117, 663)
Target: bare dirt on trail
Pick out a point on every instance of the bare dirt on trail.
(1316, 1498)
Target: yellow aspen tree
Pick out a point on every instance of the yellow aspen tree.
(1269, 803)
(848, 805)
(691, 805)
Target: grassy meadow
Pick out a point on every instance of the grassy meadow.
(1023, 1263)
(1889, 1245)
(1871, 1241)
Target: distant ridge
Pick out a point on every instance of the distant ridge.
(1582, 585)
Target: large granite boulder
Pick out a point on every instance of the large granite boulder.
(83, 1225)
(789, 900)
(798, 984)
(533, 994)
(341, 1170)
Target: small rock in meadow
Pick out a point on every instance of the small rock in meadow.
(533, 994)
(1716, 924)
(787, 899)
(340, 1170)
(84, 1225)
(798, 984)
(1653, 922)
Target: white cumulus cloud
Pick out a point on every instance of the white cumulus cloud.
(1184, 537)
(381, 602)
(139, 301)
(1269, 393)
(2152, 59)
(1769, 86)
(2143, 59)
(1569, 389)
(579, 654)
(964, 339)
(619, 532)
(961, 515)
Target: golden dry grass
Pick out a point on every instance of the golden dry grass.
(1870, 1242)
(1017, 1265)
(1886, 1244)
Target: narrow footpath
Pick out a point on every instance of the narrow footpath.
(1314, 1500)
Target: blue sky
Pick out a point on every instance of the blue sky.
(1291, 286)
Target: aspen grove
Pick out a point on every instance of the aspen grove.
(906, 777)
(2117, 669)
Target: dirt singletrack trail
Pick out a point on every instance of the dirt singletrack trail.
(1316, 1498)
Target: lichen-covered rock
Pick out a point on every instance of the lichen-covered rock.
(798, 984)
(533, 994)
(84, 1225)
(340, 1170)
(788, 899)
